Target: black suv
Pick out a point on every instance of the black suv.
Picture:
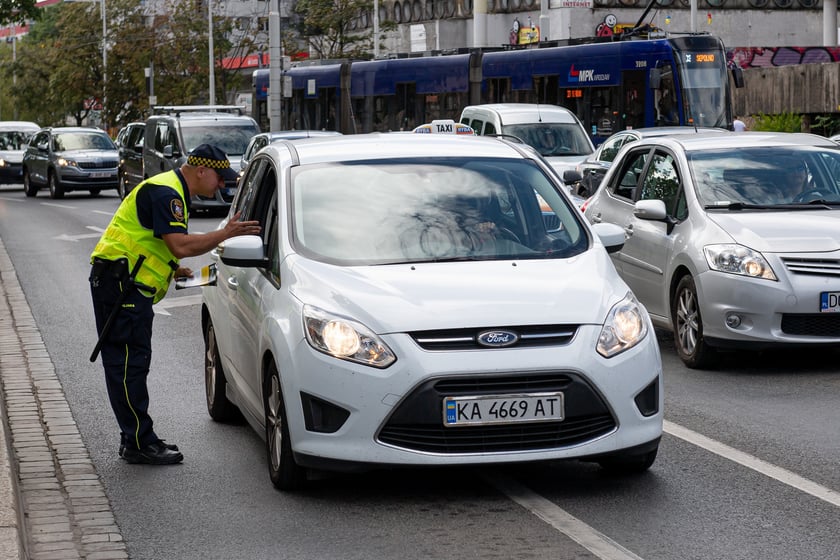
(130, 144)
(172, 132)
(68, 159)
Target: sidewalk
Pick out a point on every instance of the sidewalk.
(53, 505)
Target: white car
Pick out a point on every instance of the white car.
(733, 240)
(409, 303)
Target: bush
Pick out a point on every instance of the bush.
(785, 122)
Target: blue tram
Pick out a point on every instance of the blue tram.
(610, 85)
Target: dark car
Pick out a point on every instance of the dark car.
(173, 131)
(263, 139)
(14, 136)
(130, 144)
(66, 159)
(594, 167)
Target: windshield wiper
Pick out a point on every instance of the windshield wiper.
(740, 206)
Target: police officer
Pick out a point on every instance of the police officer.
(151, 221)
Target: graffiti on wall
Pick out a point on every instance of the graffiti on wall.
(762, 57)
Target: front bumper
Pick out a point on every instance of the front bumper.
(394, 416)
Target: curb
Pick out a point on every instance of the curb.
(61, 511)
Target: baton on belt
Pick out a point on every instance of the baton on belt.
(131, 284)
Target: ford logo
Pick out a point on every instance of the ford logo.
(497, 339)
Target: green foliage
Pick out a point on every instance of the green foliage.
(328, 26)
(784, 122)
(59, 68)
(18, 11)
(827, 125)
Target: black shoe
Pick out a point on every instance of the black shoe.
(170, 446)
(157, 453)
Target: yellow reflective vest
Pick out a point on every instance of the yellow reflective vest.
(125, 237)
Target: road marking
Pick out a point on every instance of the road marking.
(102, 212)
(589, 538)
(59, 205)
(11, 199)
(778, 473)
(166, 304)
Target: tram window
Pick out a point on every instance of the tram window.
(546, 90)
(666, 98)
(380, 113)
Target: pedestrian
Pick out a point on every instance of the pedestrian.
(150, 226)
(738, 125)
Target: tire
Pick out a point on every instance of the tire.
(215, 382)
(688, 326)
(285, 474)
(56, 189)
(122, 187)
(29, 188)
(629, 464)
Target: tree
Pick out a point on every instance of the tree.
(59, 64)
(18, 11)
(327, 25)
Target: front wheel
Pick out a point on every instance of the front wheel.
(688, 326)
(56, 188)
(29, 188)
(122, 187)
(285, 473)
(215, 383)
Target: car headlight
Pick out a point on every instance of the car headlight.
(64, 162)
(737, 259)
(345, 339)
(624, 327)
(2, 162)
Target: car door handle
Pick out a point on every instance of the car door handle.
(596, 219)
(232, 283)
(628, 230)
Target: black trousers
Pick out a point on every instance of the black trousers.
(126, 352)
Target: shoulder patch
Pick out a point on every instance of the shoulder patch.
(176, 206)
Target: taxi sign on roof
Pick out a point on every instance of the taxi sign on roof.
(444, 126)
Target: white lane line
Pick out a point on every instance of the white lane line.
(66, 207)
(778, 473)
(11, 199)
(166, 304)
(102, 212)
(589, 538)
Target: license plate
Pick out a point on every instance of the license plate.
(100, 174)
(830, 302)
(502, 409)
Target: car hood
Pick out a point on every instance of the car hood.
(798, 231)
(12, 156)
(89, 154)
(562, 163)
(420, 296)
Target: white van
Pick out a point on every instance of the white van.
(555, 132)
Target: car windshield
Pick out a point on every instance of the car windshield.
(14, 139)
(82, 141)
(766, 176)
(552, 139)
(230, 138)
(448, 209)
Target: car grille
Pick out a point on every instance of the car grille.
(103, 164)
(467, 339)
(811, 324)
(417, 423)
(814, 267)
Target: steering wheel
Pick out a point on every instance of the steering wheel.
(808, 196)
(506, 233)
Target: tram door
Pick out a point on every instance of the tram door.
(634, 97)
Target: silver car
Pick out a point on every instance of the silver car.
(410, 303)
(733, 240)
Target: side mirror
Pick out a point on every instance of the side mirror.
(738, 76)
(611, 236)
(571, 176)
(167, 151)
(655, 78)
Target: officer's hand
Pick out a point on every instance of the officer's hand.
(183, 272)
(234, 227)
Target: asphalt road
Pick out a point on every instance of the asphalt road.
(748, 467)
